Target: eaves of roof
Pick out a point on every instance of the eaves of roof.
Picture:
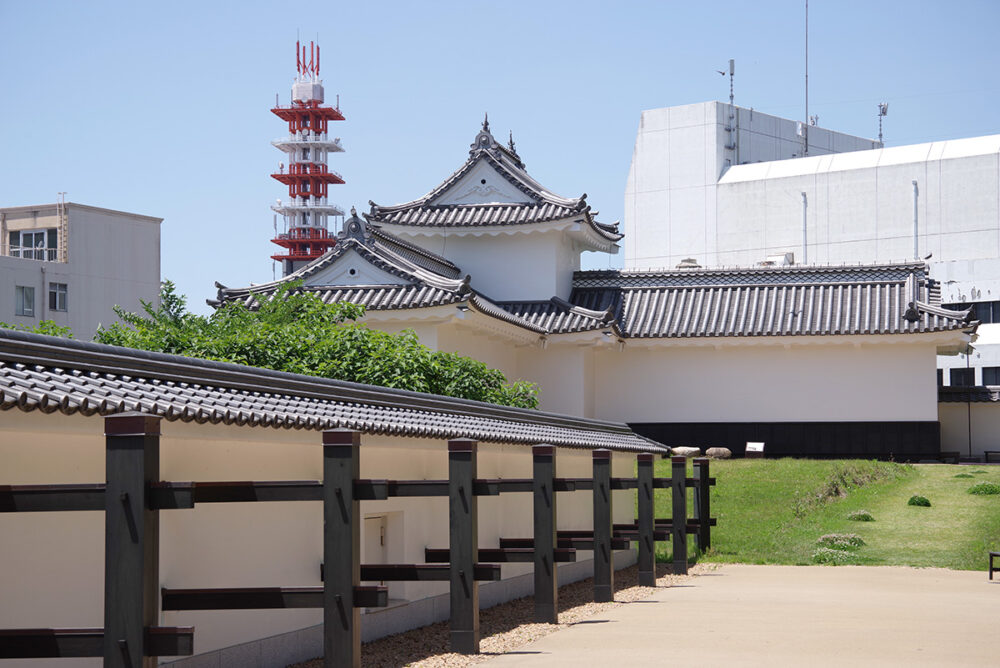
(71, 377)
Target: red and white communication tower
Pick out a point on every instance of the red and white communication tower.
(306, 235)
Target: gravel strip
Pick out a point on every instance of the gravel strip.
(501, 626)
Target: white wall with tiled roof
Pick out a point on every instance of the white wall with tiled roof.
(53, 569)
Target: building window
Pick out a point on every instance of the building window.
(57, 296)
(24, 300)
(34, 244)
(940, 377)
(962, 377)
(991, 375)
(988, 313)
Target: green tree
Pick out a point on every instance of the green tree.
(293, 330)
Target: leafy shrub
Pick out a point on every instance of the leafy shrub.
(296, 331)
(917, 500)
(861, 516)
(825, 555)
(841, 541)
(964, 475)
(47, 327)
(983, 488)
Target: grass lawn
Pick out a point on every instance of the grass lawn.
(773, 512)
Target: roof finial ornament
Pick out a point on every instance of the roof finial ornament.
(510, 143)
(354, 212)
(484, 140)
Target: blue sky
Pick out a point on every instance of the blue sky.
(163, 108)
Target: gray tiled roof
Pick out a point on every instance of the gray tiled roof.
(473, 215)
(372, 297)
(544, 205)
(966, 394)
(559, 316)
(430, 280)
(770, 302)
(71, 377)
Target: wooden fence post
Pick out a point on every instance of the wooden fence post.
(678, 484)
(604, 572)
(647, 546)
(131, 538)
(546, 580)
(341, 548)
(463, 546)
(702, 508)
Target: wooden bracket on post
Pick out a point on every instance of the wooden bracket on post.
(647, 543)
(678, 470)
(341, 548)
(463, 545)
(604, 571)
(131, 538)
(546, 579)
(702, 508)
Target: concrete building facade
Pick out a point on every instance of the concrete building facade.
(71, 264)
(681, 154)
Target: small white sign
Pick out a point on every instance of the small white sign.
(755, 447)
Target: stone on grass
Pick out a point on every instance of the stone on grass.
(719, 453)
(685, 451)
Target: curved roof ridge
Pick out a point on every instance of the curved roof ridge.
(377, 231)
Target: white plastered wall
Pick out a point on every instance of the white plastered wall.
(956, 420)
(512, 265)
(739, 381)
(53, 568)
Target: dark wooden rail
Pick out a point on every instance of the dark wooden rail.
(261, 598)
(61, 643)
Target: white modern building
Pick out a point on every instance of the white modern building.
(71, 264)
(815, 360)
(676, 199)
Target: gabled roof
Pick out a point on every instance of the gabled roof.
(785, 301)
(426, 279)
(51, 375)
(542, 205)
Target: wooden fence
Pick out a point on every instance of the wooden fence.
(134, 496)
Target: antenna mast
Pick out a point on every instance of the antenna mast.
(805, 129)
(883, 111)
(732, 71)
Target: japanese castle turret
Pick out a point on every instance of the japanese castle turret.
(493, 216)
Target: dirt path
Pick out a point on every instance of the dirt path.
(790, 616)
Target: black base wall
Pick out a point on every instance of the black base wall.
(902, 441)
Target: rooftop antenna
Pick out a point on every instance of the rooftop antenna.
(732, 71)
(805, 128)
(883, 111)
